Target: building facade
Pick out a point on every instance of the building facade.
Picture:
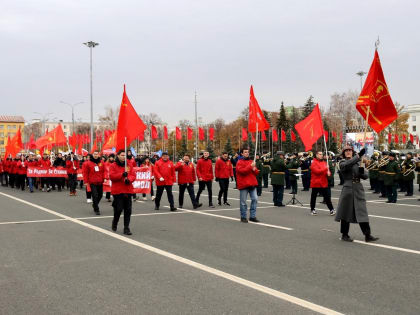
(413, 119)
(9, 125)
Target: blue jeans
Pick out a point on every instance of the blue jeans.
(31, 183)
(243, 195)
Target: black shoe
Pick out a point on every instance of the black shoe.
(389, 201)
(114, 228)
(127, 231)
(97, 212)
(219, 203)
(197, 205)
(346, 238)
(281, 205)
(394, 201)
(226, 203)
(180, 206)
(254, 220)
(156, 208)
(370, 238)
(211, 205)
(244, 220)
(408, 195)
(173, 209)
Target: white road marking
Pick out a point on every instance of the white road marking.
(33, 221)
(253, 285)
(412, 251)
(236, 219)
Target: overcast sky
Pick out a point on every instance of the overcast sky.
(165, 50)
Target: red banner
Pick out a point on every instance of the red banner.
(46, 172)
(143, 182)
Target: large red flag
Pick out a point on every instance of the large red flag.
(253, 137)
(200, 133)
(98, 136)
(178, 134)
(292, 136)
(263, 137)
(244, 134)
(31, 143)
(73, 141)
(283, 135)
(274, 135)
(311, 128)
(14, 145)
(94, 147)
(389, 138)
(190, 133)
(52, 138)
(154, 133)
(130, 125)
(334, 134)
(141, 136)
(111, 142)
(255, 115)
(375, 94)
(165, 132)
(211, 133)
(6, 154)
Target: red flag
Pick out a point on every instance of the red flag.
(411, 138)
(154, 133)
(255, 115)
(165, 132)
(396, 140)
(253, 137)
(6, 154)
(31, 143)
(141, 136)
(274, 135)
(263, 137)
(178, 134)
(292, 136)
(94, 147)
(14, 145)
(190, 133)
(334, 134)
(129, 125)
(107, 133)
(211, 133)
(53, 138)
(404, 138)
(98, 136)
(110, 143)
(73, 141)
(244, 134)
(200, 133)
(283, 135)
(311, 128)
(389, 138)
(375, 95)
(80, 145)
(341, 137)
(326, 134)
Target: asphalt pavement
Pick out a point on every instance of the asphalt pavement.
(58, 257)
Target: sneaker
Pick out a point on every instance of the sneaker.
(313, 212)
(98, 212)
(114, 228)
(332, 212)
(219, 203)
(48, 189)
(153, 197)
(244, 220)
(254, 220)
(89, 200)
(43, 189)
(346, 238)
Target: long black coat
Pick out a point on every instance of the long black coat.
(352, 202)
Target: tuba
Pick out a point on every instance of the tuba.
(383, 162)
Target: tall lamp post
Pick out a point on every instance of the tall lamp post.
(196, 127)
(361, 74)
(91, 45)
(72, 112)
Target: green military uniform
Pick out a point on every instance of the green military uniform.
(259, 165)
(374, 174)
(278, 168)
(381, 177)
(265, 170)
(399, 176)
(293, 166)
(391, 170)
(409, 178)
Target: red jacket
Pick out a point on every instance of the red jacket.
(13, 167)
(223, 169)
(319, 170)
(118, 181)
(94, 172)
(165, 170)
(186, 173)
(204, 169)
(33, 163)
(70, 168)
(245, 176)
(6, 165)
(131, 162)
(21, 167)
(45, 163)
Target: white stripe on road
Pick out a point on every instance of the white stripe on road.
(253, 285)
(412, 251)
(236, 219)
(33, 221)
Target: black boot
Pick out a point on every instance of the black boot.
(346, 238)
(173, 208)
(197, 205)
(370, 238)
(114, 227)
(127, 231)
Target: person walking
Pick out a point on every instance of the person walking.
(95, 174)
(186, 180)
(352, 201)
(278, 169)
(72, 165)
(223, 171)
(164, 172)
(204, 171)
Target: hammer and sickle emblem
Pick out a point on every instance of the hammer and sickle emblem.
(379, 89)
(123, 104)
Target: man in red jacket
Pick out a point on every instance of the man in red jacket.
(21, 170)
(95, 174)
(246, 179)
(223, 170)
(32, 162)
(164, 172)
(205, 177)
(45, 162)
(319, 182)
(122, 179)
(72, 165)
(186, 179)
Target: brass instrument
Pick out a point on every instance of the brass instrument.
(409, 170)
(372, 164)
(384, 161)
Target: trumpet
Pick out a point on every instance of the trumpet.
(409, 170)
(372, 164)
(383, 162)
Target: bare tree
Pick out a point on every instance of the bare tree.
(110, 118)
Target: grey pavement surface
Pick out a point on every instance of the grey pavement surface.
(53, 266)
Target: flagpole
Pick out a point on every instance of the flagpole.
(125, 149)
(366, 126)
(281, 139)
(256, 143)
(325, 144)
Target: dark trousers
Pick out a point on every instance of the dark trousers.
(108, 195)
(306, 180)
(391, 193)
(59, 181)
(6, 178)
(345, 227)
(151, 190)
(159, 192)
(122, 202)
(45, 181)
(97, 192)
(372, 183)
(21, 181)
(293, 184)
(287, 179)
(72, 182)
(278, 191)
(88, 194)
(259, 187)
(409, 187)
(201, 186)
(234, 175)
(324, 193)
(12, 180)
(224, 186)
(190, 188)
(265, 180)
(382, 187)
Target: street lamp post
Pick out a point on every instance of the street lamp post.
(196, 127)
(72, 112)
(91, 45)
(361, 74)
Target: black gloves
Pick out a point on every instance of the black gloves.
(362, 152)
(127, 181)
(125, 174)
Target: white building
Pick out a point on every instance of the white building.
(68, 126)
(414, 118)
